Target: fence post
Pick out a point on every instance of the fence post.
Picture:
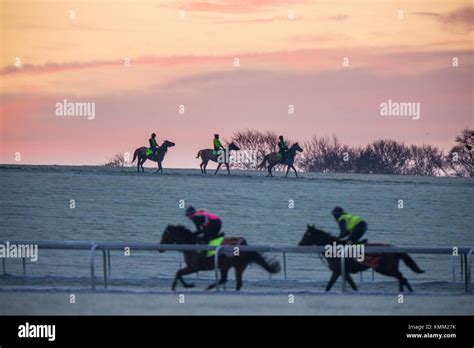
(343, 271)
(108, 262)
(104, 262)
(468, 271)
(216, 266)
(284, 264)
(91, 259)
(453, 268)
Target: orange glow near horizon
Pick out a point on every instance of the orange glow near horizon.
(190, 61)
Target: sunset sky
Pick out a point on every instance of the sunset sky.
(190, 61)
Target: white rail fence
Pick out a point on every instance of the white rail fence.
(465, 254)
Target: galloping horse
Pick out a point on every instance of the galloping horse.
(274, 158)
(158, 157)
(208, 155)
(386, 263)
(198, 261)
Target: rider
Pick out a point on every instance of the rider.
(282, 148)
(350, 226)
(217, 145)
(207, 224)
(153, 143)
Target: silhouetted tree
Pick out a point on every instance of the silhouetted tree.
(384, 157)
(425, 160)
(116, 161)
(327, 155)
(460, 159)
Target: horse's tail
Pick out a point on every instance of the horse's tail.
(135, 154)
(199, 154)
(263, 164)
(272, 266)
(410, 263)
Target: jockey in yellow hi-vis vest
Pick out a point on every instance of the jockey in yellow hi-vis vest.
(282, 147)
(217, 145)
(153, 144)
(351, 227)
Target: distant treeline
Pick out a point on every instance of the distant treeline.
(382, 156)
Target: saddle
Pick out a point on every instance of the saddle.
(281, 157)
(234, 241)
(228, 252)
(149, 151)
(372, 260)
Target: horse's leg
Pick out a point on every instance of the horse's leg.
(138, 164)
(333, 279)
(402, 281)
(405, 280)
(296, 173)
(218, 166)
(351, 282)
(239, 270)
(288, 169)
(205, 165)
(269, 170)
(228, 169)
(180, 273)
(141, 165)
(160, 168)
(223, 280)
(200, 166)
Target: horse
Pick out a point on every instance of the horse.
(274, 158)
(208, 155)
(158, 157)
(199, 261)
(386, 264)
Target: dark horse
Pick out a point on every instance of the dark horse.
(274, 158)
(208, 155)
(158, 157)
(198, 261)
(386, 264)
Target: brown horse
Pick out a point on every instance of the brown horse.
(221, 157)
(198, 261)
(158, 157)
(386, 264)
(275, 158)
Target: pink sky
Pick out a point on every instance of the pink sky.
(189, 62)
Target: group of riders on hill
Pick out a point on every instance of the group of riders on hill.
(217, 145)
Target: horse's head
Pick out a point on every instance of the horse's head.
(168, 143)
(314, 236)
(233, 146)
(176, 235)
(296, 147)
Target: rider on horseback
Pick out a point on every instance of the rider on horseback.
(282, 148)
(207, 224)
(153, 143)
(350, 226)
(217, 145)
